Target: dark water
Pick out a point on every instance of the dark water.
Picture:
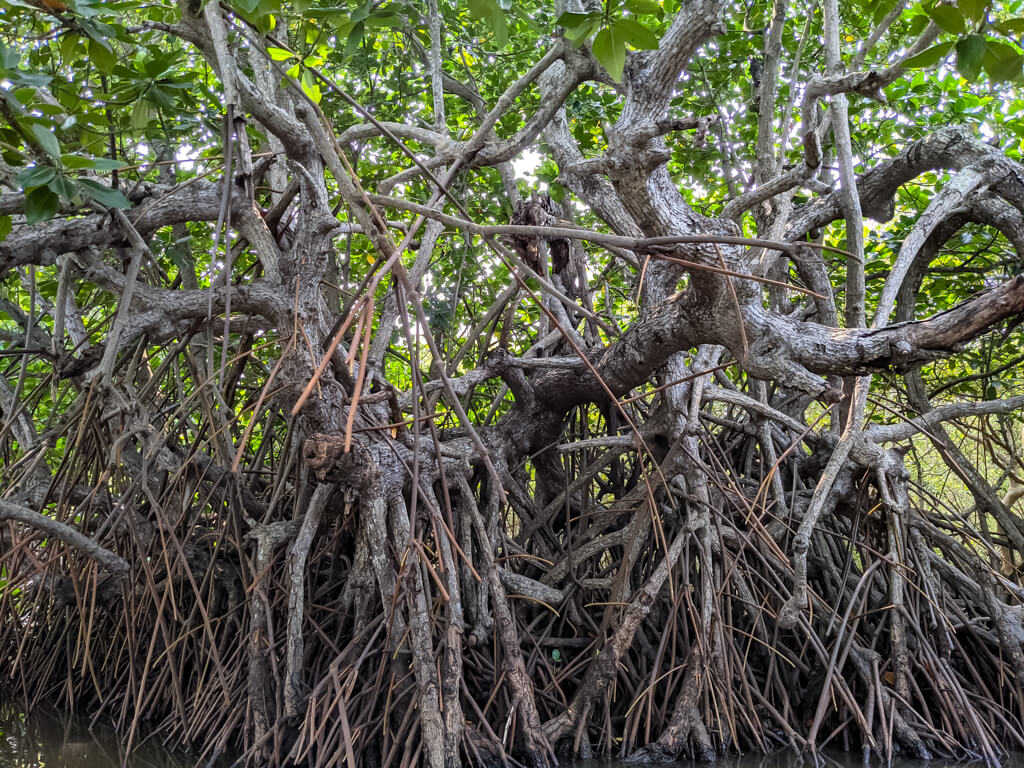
(41, 740)
(46, 741)
(790, 760)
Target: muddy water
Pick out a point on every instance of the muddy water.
(40, 741)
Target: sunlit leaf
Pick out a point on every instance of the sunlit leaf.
(635, 33)
(279, 54)
(649, 7)
(310, 86)
(611, 53)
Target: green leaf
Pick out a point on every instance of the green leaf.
(917, 24)
(635, 33)
(24, 93)
(392, 20)
(310, 86)
(142, 113)
(160, 97)
(355, 38)
(360, 13)
(48, 109)
(973, 9)
(929, 56)
(5, 227)
(610, 53)
(493, 16)
(106, 164)
(90, 8)
(1002, 63)
(77, 162)
(37, 176)
(264, 22)
(159, 68)
(9, 57)
(279, 54)
(947, 17)
(880, 10)
(499, 26)
(336, 17)
(99, 31)
(68, 45)
(969, 54)
(40, 204)
(61, 186)
(579, 27)
(644, 7)
(1010, 27)
(105, 196)
(571, 20)
(47, 141)
(102, 56)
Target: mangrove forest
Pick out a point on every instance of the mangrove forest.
(388, 383)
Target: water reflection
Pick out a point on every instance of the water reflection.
(41, 741)
(791, 760)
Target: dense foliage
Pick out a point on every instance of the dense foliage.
(386, 382)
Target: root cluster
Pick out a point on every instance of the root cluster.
(599, 600)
